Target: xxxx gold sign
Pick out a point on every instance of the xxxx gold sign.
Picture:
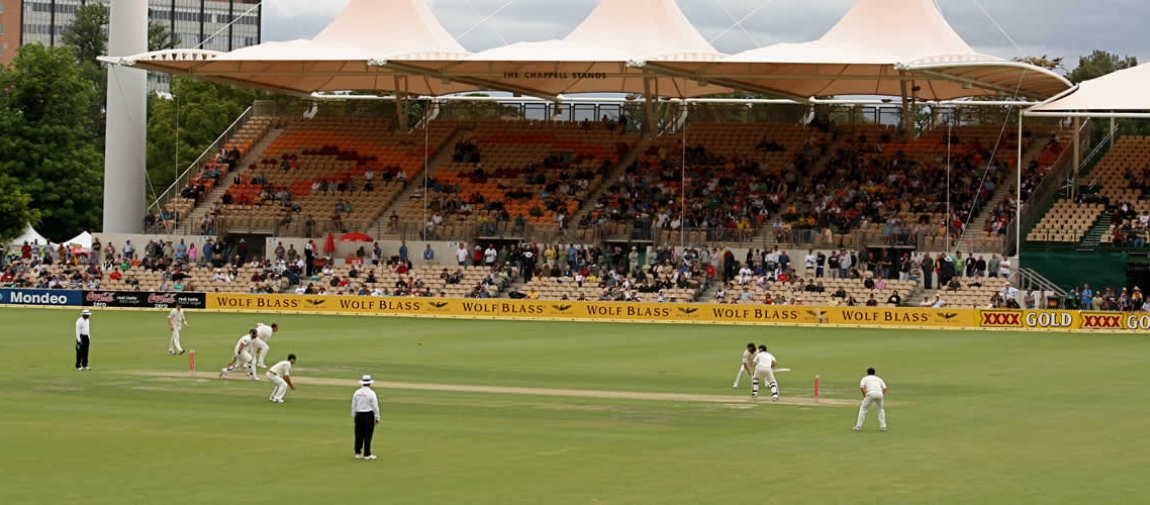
(1030, 319)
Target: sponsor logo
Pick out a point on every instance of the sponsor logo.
(947, 316)
(439, 305)
(168, 298)
(315, 302)
(26, 298)
(1002, 319)
(1136, 322)
(101, 297)
(561, 308)
(687, 311)
(1102, 321)
(1049, 320)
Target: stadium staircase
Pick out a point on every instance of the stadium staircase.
(1094, 235)
(641, 146)
(191, 225)
(1006, 188)
(442, 156)
(766, 234)
(916, 298)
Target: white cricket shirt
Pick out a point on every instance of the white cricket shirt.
(83, 327)
(176, 317)
(243, 343)
(764, 359)
(747, 355)
(264, 331)
(282, 369)
(873, 385)
(364, 400)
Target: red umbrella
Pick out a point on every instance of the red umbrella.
(329, 246)
(356, 237)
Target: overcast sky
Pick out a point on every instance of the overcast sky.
(1067, 28)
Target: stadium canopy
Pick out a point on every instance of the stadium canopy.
(1120, 94)
(342, 57)
(599, 56)
(880, 47)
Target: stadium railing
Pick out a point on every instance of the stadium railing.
(197, 165)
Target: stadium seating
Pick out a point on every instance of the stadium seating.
(882, 185)
(1066, 222)
(784, 292)
(737, 175)
(525, 168)
(331, 154)
(242, 141)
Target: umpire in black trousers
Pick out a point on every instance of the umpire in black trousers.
(365, 411)
(83, 339)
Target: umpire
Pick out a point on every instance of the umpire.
(83, 339)
(365, 410)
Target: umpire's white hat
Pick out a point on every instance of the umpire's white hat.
(366, 380)
(85, 312)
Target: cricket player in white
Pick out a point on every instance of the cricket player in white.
(765, 364)
(873, 390)
(176, 321)
(280, 375)
(265, 333)
(748, 355)
(242, 357)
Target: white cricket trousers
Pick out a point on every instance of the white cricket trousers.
(876, 399)
(242, 361)
(174, 343)
(739, 376)
(764, 374)
(261, 350)
(280, 388)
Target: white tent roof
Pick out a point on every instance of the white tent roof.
(30, 235)
(83, 241)
(874, 47)
(597, 57)
(340, 58)
(1120, 91)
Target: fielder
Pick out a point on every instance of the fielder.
(280, 375)
(242, 358)
(176, 321)
(746, 366)
(873, 390)
(765, 363)
(265, 333)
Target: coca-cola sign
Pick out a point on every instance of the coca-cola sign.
(143, 299)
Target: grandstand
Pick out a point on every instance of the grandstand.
(1113, 206)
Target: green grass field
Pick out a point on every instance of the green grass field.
(975, 417)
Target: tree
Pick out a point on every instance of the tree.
(1098, 64)
(1043, 61)
(160, 37)
(88, 38)
(15, 210)
(204, 111)
(48, 145)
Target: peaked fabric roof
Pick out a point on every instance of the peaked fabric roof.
(1120, 91)
(875, 46)
(340, 58)
(597, 57)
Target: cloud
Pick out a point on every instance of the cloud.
(1066, 28)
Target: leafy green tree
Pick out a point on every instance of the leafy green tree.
(15, 209)
(48, 144)
(1098, 64)
(161, 38)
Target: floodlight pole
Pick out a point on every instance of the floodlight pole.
(124, 146)
(1018, 201)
